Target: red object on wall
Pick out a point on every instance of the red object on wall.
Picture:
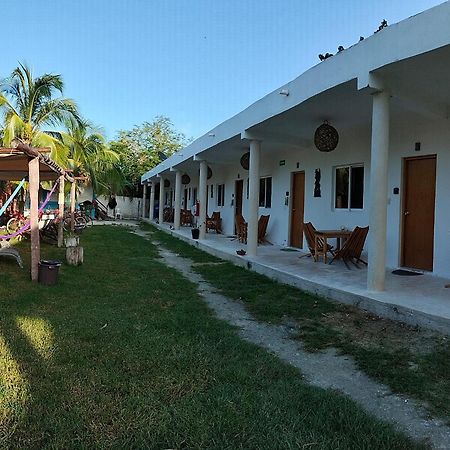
(197, 209)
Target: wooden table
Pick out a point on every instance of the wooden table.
(325, 235)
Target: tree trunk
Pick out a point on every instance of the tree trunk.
(74, 256)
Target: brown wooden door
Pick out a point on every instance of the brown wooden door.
(297, 209)
(418, 212)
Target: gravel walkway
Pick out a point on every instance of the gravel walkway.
(326, 369)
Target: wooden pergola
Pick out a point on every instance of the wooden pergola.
(24, 161)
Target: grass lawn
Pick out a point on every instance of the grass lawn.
(123, 353)
(410, 361)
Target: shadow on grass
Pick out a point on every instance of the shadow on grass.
(123, 353)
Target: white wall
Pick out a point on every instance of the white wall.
(128, 207)
(354, 148)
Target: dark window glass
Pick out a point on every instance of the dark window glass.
(268, 192)
(357, 188)
(220, 195)
(262, 191)
(342, 179)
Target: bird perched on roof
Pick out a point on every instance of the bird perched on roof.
(383, 24)
(340, 49)
(361, 38)
(326, 56)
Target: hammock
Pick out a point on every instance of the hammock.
(28, 223)
(10, 199)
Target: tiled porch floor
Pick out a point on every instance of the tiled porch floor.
(421, 300)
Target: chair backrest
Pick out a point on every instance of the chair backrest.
(354, 245)
(309, 231)
(215, 215)
(262, 226)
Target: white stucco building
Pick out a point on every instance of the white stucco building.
(388, 97)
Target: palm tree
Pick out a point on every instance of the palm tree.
(90, 156)
(31, 105)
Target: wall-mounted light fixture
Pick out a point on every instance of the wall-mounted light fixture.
(284, 92)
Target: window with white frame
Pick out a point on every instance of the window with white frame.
(349, 187)
(220, 195)
(265, 192)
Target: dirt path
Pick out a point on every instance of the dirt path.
(327, 369)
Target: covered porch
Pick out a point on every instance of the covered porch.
(388, 170)
(416, 300)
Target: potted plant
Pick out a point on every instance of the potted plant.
(195, 232)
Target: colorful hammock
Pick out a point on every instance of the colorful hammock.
(27, 223)
(10, 199)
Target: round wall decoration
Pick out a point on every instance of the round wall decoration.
(166, 183)
(208, 173)
(245, 160)
(185, 179)
(326, 137)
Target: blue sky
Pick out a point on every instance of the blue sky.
(196, 61)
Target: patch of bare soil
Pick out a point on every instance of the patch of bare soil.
(370, 330)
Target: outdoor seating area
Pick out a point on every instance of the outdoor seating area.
(349, 244)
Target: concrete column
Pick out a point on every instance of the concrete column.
(161, 199)
(152, 200)
(253, 198)
(202, 198)
(378, 192)
(144, 199)
(177, 206)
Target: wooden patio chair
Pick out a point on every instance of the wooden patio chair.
(310, 236)
(168, 214)
(214, 222)
(353, 247)
(241, 228)
(186, 218)
(262, 229)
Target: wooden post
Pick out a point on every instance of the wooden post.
(33, 172)
(61, 211)
(73, 189)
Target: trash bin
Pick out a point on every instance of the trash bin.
(48, 271)
(195, 233)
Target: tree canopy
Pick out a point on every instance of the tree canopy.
(144, 147)
(35, 112)
(32, 106)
